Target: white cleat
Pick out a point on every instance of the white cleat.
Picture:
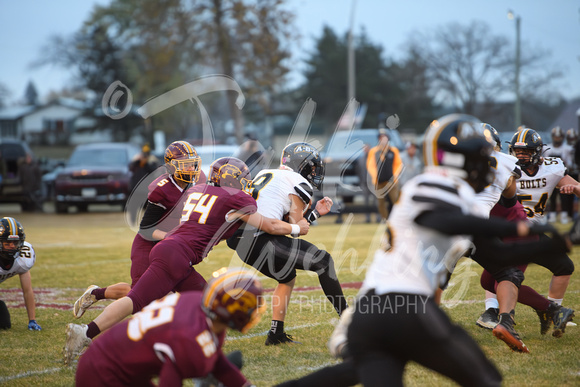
(84, 302)
(76, 342)
(571, 324)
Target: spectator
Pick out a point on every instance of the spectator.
(31, 178)
(412, 164)
(142, 164)
(384, 165)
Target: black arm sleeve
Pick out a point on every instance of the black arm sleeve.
(152, 216)
(456, 223)
(508, 202)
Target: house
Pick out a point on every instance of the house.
(569, 117)
(52, 123)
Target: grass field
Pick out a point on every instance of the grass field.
(76, 250)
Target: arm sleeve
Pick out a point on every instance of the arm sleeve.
(227, 373)
(152, 216)
(456, 223)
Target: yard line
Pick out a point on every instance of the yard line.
(28, 373)
(266, 332)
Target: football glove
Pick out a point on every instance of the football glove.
(33, 326)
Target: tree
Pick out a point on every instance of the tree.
(468, 65)
(383, 85)
(162, 44)
(4, 95)
(30, 94)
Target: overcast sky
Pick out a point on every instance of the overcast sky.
(25, 26)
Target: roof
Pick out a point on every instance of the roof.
(568, 118)
(16, 112)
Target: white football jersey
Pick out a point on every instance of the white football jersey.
(419, 258)
(563, 152)
(534, 191)
(271, 188)
(504, 167)
(24, 261)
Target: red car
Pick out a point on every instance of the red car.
(95, 174)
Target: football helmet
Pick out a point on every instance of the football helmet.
(529, 140)
(234, 297)
(557, 136)
(571, 136)
(11, 240)
(182, 161)
(229, 172)
(494, 135)
(458, 143)
(304, 159)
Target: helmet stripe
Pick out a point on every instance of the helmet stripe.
(430, 151)
(211, 293)
(13, 228)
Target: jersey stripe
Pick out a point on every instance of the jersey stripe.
(440, 186)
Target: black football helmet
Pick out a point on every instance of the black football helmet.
(11, 240)
(229, 172)
(531, 141)
(494, 135)
(182, 161)
(304, 159)
(234, 297)
(458, 143)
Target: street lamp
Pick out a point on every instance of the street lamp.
(517, 107)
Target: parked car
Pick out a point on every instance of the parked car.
(340, 156)
(20, 185)
(94, 174)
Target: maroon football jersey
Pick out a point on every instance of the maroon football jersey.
(173, 329)
(203, 218)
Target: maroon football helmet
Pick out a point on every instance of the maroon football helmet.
(234, 297)
(182, 161)
(229, 172)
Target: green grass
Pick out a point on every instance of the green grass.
(76, 250)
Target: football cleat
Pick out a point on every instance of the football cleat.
(84, 302)
(505, 331)
(488, 319)
(76, 342)
(547, 317)
(279, 338)
(561, 319)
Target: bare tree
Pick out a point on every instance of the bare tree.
(468, 65)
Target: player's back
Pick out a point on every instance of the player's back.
(271, 189)
(203, 219)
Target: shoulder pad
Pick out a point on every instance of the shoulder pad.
(304, 190)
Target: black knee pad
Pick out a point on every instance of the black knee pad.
(563, 267)
(320, 262)
(4, 316)
(512, 274)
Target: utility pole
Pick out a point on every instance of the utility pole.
(351, 61)
(517, 107)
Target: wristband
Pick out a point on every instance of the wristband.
(295, 229)
(312, 216)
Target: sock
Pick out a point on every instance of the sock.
(556, 300)
(99, 293)
(93, 330)
(277, 326)
(491, 303)
(530, 297)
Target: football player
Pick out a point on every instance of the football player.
(17, 257)
(559, 149)
(287, 191)
(211, 213)
(508, 207)
(177, 337)
(396, 319)
(183, 170)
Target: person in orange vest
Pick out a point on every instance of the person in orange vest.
(384, 166)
